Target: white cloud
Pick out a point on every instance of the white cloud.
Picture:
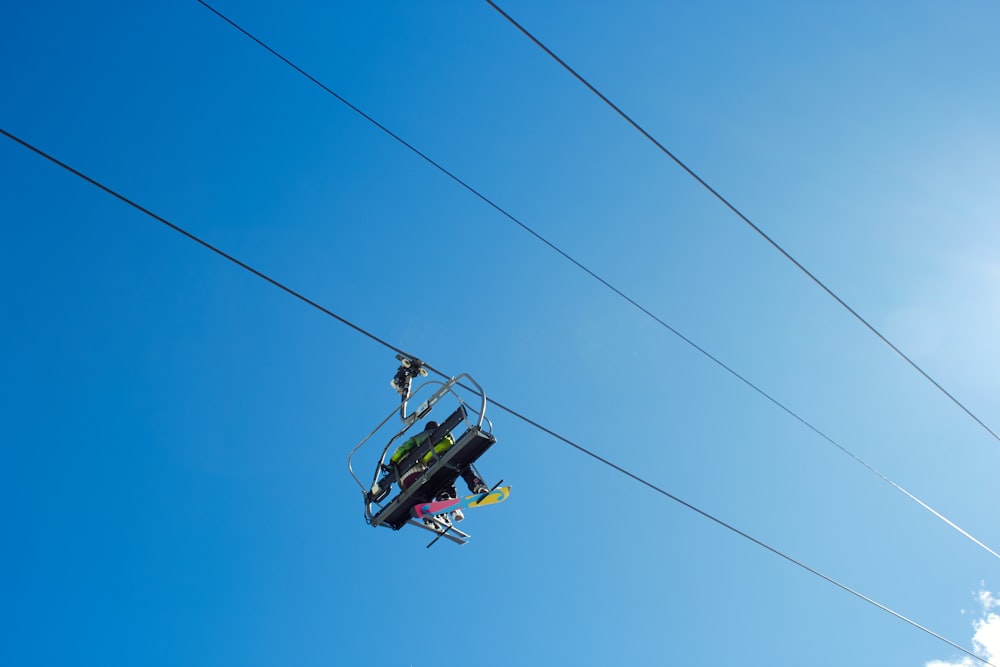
(986, 635)
(987, 638)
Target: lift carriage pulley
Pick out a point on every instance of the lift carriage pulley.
(423, 468)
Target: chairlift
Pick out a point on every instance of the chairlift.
(428, 469)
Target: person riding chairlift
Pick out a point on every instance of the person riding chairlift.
(407, 477)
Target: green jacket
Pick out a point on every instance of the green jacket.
(443, 445)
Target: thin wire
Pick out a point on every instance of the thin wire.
(733, 529)
(740, 215)
(595, 276)
(499, 405)
(198, 240)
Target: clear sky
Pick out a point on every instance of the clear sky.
(174, 431)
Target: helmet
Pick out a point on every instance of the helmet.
(430, 426)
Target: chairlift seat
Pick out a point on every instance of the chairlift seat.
(440, 474)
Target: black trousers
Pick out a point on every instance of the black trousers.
(471, 480)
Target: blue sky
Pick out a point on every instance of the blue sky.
(174, 431)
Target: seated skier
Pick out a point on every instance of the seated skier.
(406, 477)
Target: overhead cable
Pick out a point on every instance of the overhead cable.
(198, 240)
(511, 411)
(594, 275)
(742, 217)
